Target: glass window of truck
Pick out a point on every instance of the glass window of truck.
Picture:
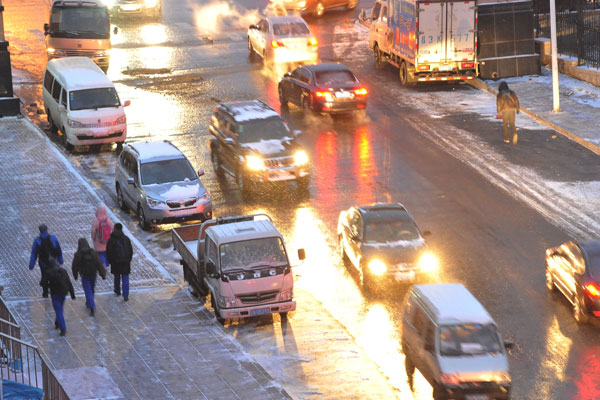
(255, 253)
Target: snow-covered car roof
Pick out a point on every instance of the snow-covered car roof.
(245, 230)
(77, 73)
(156, 151)
(282, 19)
(249, 110)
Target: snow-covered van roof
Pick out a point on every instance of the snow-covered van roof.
(156, 151)
(248, 110)
(79, 3)
(451, 303)
(77, 73)
(244, 230)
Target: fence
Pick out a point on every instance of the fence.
(577, 28)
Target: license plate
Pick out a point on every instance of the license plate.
(280, 176)
(261, 311)
(404, 276)
(477, 397)
(130, 7)
(342, 95)
(445, 67)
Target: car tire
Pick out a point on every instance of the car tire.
(53, 128)
(319, 10)
(282, 99)
(343, 254)
(65, 141)
(144, 224)
(378, 55)
(120, 199)
(216, 161)
(244, 184)
(366, 281)
(549, 281)
(213, 304)
(404, 73)
(579, 313)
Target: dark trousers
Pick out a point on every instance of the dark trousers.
(89, 285)
(57, 303)
(125, 278)
(508, 118)
(44, 281)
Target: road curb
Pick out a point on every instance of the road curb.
(481, 85)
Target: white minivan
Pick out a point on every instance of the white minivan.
(82, 103)
(455, 344)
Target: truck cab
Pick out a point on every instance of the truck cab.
(242, 262)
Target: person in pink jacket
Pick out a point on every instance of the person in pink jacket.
(101, 229)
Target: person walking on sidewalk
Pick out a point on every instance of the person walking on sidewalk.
(119, 254)
(101, 229)
(60, 285)
(88, 264)
(44, 247)
(507, 104)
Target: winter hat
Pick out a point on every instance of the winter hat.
(43, 228)
(118, 227)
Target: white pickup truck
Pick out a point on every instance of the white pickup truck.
(242, 262)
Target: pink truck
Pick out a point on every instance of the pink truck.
(242, 262)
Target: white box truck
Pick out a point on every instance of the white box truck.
(426, 40)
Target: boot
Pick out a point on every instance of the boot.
(63, 332)
(92, 312)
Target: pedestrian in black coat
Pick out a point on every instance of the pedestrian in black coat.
(60, 285)
(119, 254)
(88, 264)
(507, 104)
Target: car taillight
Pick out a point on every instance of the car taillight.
(275, 44)
(361, 91)
(592, 289)
(313, 41)
(423, 67)
(467, 65)
(322, 94)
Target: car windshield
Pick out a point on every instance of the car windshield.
(158, 172)
(290, 29)
(334, 78)
(469, 340)
(253, 253)
(93, 98)
(80, 22)
(391, 231)
(594, 267)
(262, 129)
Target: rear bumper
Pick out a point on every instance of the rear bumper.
(341, 106)
(263, 309)
(498, 392)
(283, 55)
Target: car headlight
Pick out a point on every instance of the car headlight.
(255, 163)
(153, 202)
(102, 53)
(75, 124)
(227, 302)
(286, 295)
(121, 120)
(150, 3)
(302, 4)
(377, 267)
(300, 157)
(205, 197)
(428, 262)
(55, 52)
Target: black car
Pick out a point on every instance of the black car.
(574, 268)
(326, 88)
(384, 244)
(251, 142)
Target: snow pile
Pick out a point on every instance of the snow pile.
(266, 147)
(181, 192)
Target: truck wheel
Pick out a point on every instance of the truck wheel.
(53, 128)
(213, 304)
(216, 161)
(65, 141)
(378, 54)
(244, 184)
(407, 77)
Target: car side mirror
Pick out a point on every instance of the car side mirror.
(426, 233)
(301, 254)
(46, 29)
(200, 172)
(297, 132)
(508, 344)
(62, 108)
(115, 30)
(287, 74)
(229, 140)
(210, 268)
(131, 181)
(127, 103)
(253, 27)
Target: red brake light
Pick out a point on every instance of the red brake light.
(275, 44)
(423, 67)
(361, 91)
(321, 94)
(313, 41)
(467, 65)
(592, 290)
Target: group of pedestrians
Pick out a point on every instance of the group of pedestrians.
(110, 247)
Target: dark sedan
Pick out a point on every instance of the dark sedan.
(384, 244)
(574, 268)
(328, 88)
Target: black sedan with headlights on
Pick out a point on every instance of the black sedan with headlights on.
(252, 143)
(323, 88)
(383, 242)
(574, 269)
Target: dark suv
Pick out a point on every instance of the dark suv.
(384, 244)
(574, 268)
(251, 142)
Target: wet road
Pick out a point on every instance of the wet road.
(403, 150)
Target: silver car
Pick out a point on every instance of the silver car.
(157, 181)
(281, 40)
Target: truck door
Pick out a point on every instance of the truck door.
(432, 32)
(461, 31)
(379, 26)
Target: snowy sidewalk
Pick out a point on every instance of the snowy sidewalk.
(579, 104)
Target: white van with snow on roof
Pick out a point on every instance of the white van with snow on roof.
(82, 103)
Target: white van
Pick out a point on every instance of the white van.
(455, 344)
(83, 103)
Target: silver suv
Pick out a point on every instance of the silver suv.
(156, 180)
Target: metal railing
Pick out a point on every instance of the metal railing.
(8, 323)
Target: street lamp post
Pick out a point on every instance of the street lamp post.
(9, 105)
(555, 92)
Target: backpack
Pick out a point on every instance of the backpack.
(47, 249)
(104, 231)
(87, 263)
(120, 252)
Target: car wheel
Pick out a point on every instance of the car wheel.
(282, 99)
(65, 141)
(549, 281)
(214, 306)
(405, 75)
(144, 224)
(351, 5)
(120, 199)
(216, 161)
(379, 63)
(119, 148)
(251, 53)
(53, 128)
(579, 312)
(244, 184)
(319, 10)
(343, 254)
(366, 280)
(306, 105)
